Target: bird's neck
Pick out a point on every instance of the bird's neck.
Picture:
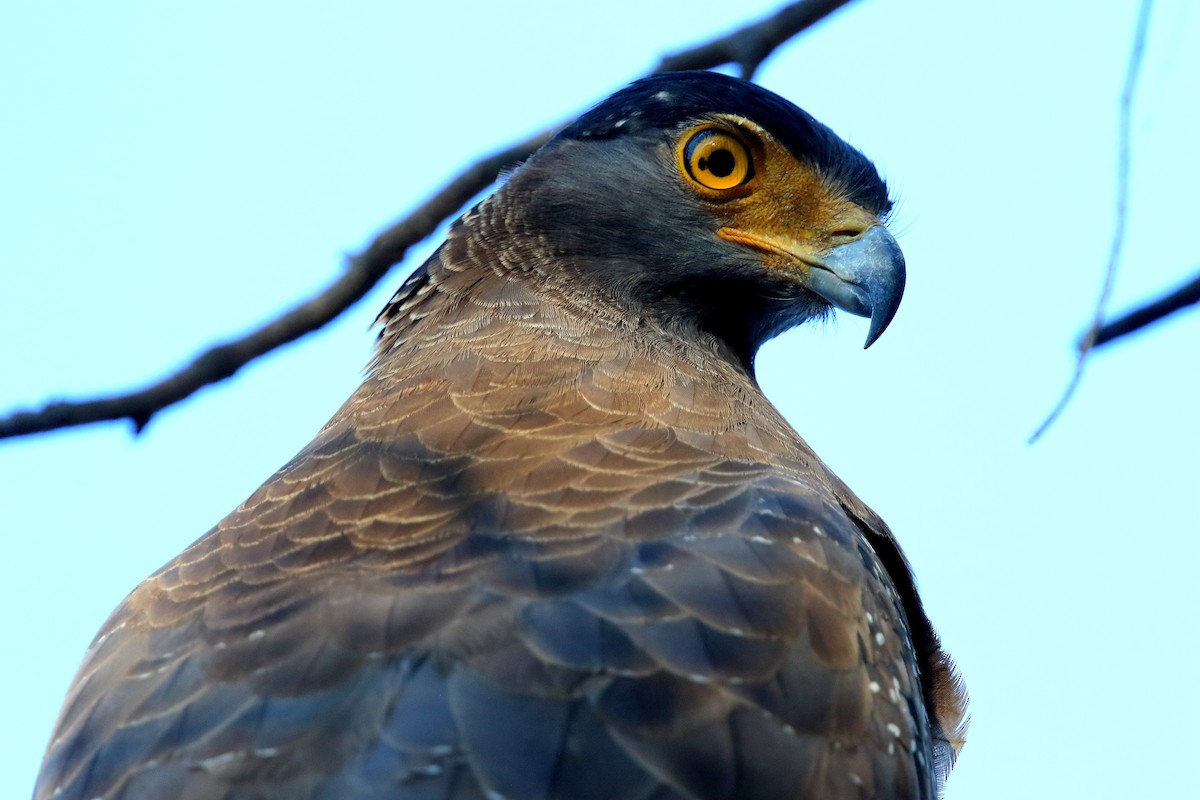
(473, 326)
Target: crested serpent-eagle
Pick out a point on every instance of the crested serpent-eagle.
(558, 545)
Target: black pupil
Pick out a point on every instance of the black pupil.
(719, 163)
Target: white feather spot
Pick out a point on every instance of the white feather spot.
(879, 638)
(894, 729)
(874, 687)
(663, 96)
(221, 760)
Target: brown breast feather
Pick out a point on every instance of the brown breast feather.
(536, 555)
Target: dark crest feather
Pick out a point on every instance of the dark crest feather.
(663, 102)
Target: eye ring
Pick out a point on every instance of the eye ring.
(717, 160)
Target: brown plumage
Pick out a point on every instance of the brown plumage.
(558, 544)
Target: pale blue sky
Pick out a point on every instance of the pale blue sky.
(173, 174)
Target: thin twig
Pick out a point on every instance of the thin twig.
(1186, 295)
(747, 47)
(1124, 151)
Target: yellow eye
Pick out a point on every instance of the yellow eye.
(717, 160)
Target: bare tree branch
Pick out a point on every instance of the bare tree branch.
(223, 360)
(1186, 295)
(1124, 150)
(751, 45)
(747, 47)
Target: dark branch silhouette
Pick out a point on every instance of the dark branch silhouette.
(1124, 152)
(747, 47)
(751, 45)
(223, 360)
(1186, 295)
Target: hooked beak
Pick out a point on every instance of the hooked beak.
(864, 276)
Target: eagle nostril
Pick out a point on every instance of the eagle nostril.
(845, 235)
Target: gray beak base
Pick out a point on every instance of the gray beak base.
(864, 277)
